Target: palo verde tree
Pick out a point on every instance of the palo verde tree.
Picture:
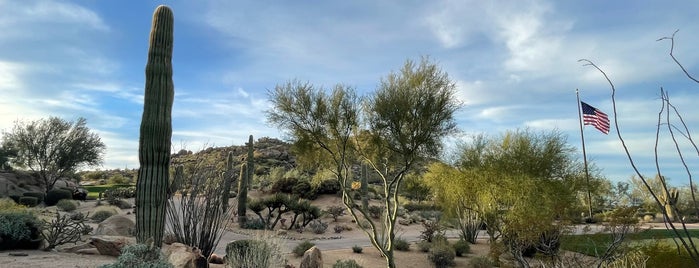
(522, 185)
(401, 123)
(53, 147)
(156, 131)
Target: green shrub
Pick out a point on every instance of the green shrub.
(318, 227)
(54, 195)
(254, 224)
(120, 192)
(328, 187)
(346, 264)
(39, 196)
(302, 247)
(336, 211)
(424, 246)
(66, 205)
(261, 251)
(357, 249)
(375, 211)
(442, 255)
(481, 262)
(19, 229)
(102, 213)
(303, 189)
(29, 201)
(139, 256)
(412, 206)
(7, 204)
(120, 203)
(401, 245)
(461, 247)
(664, 254)
(284, 185)
(15, 198)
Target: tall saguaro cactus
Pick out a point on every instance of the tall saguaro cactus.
(156, 131)
(228, 179)
(246, 173)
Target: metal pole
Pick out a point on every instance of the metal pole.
(587, 175)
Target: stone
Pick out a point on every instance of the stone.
(111, 245)
(216, 259)
(76, 248)
(88, 251)
(183, 256)
(116, 225)
(312, 258)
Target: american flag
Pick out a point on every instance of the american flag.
(594, 117)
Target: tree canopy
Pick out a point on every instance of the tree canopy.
(53, 147)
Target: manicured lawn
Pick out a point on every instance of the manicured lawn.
(657, 244)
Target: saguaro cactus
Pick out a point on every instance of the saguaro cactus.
(227, 181)
(246, 173)
(365, 187)
(156, 131)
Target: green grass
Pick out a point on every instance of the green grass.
(93, 191)
(655, 243)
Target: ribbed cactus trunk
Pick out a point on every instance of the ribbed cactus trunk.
(228, 180)
(156, 131)
(242, 195)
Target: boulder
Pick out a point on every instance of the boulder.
(116, 225)
(183, 256)
(111, 245)
(312, 258)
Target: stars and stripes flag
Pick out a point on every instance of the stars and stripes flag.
(594, 117)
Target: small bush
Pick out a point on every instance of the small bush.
(401, 245)
(29, 201)
(431, 229)
(481, 262)
(66, 205)
(103, 213)
(336, 211)
(63, 230)
(442, 255)
(7, 205)
(664, 254)
(461, 247)
(318, 227)
(120, 203)
(262, 251)
(39, 196)
(375, 211)
(304, 190)
(302, 247)
(76, 216)
(15, 198)
(420, 207)
(328, 187)
(284, 185)
(19, 229)
(424, 246)
(254, 224)
(140, 256)
(346, 264)
(339, 228)
(120, 192)
(55, 195)
(357, 249)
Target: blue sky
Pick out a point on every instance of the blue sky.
(515, 64)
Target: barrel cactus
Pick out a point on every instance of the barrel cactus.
(156, 131)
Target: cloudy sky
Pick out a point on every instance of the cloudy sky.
(515, 64)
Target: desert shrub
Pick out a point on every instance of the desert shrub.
(481, 262)
(29, 201)
(412, 206)
(401, 245)
(39, 196)
(442, 255)
(339, 228)
(302, 248)
(375, 211)
(303, 189)
(120, 192)
(284, 185)
(19, 229)
(140, 256)
(66, 205)
(102, 213)
(63, 230)
(76, 216)
(336, 211)
(346, 264)
(357, 249)
(461, 247)
(118, 202)
(54, 195)
(254, 224)
(431, 228)
(328, 187)
(262, 251)
(424, 246)
(7, 204)
(318, 227)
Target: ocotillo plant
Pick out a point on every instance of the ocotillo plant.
(242, 195)
(227, 181)
(156, 131)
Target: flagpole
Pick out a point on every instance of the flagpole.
(587, 175)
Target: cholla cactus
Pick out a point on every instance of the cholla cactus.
(156, 131)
